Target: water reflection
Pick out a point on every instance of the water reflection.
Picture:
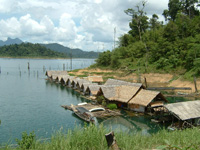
(137, 124)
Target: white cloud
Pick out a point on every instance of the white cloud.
(10, 28)
(87, 24)
(31, 27)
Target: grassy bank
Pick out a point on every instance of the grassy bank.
(93, 138)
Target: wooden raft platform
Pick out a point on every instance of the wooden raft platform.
(97, 114)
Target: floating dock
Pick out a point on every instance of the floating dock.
(97, 114)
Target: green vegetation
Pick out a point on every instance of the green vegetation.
(100, 99)
(112, 106)
(93, 138)
(152, 46)
(71, 74)
(25, 50)
(27, 140)
(75, 70)
(81, 76)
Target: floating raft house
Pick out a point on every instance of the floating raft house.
(146, 98)
(132, 96)
(185, 111)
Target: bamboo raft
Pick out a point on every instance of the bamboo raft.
(97, 114)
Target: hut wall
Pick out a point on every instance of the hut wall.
(137, 108)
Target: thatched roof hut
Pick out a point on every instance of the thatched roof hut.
(53, 72)
(118, 93)
(185, 110)
(146, 98)
(92, 90)
(80, 83)
(49, 73)
(96, 79)
(120, 82)
(86, 85)
(74, 82)
(64, 79)
(70, 80)
(60, 77)
(54, 76)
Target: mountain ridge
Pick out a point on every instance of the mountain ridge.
(10, 41)
(75, 53)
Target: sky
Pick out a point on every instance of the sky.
(85, 24)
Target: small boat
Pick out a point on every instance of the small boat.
(84, 114)
(90, 112)
(97, 109)
(80, 104)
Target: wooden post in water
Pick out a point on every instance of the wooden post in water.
(28, 66)
(0, 69)
(44, 69)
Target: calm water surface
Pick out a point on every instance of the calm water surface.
(28, 102)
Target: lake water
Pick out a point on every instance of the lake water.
(28, 102)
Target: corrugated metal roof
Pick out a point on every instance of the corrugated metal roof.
(144, 97)
(185, 110)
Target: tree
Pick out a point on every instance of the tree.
(171, 31)
(189, 8)
(125, 40)
(173, 6)
(139, 23)
(104, 58)
(166, 14)
(154, 23)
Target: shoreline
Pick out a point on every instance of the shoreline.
(39, 58)
(151, 79)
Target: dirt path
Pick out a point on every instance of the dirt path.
(153, 79)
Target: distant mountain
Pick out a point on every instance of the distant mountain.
(76, 53)
(10, 41)
(29, 50)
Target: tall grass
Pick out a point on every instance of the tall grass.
(93, 138)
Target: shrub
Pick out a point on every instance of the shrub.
(112, 106)
(27, 140)
(100, 99)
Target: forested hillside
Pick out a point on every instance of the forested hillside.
(154, 46)
(29, 50)
(76, 53)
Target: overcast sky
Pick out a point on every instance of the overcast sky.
(84, 24)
